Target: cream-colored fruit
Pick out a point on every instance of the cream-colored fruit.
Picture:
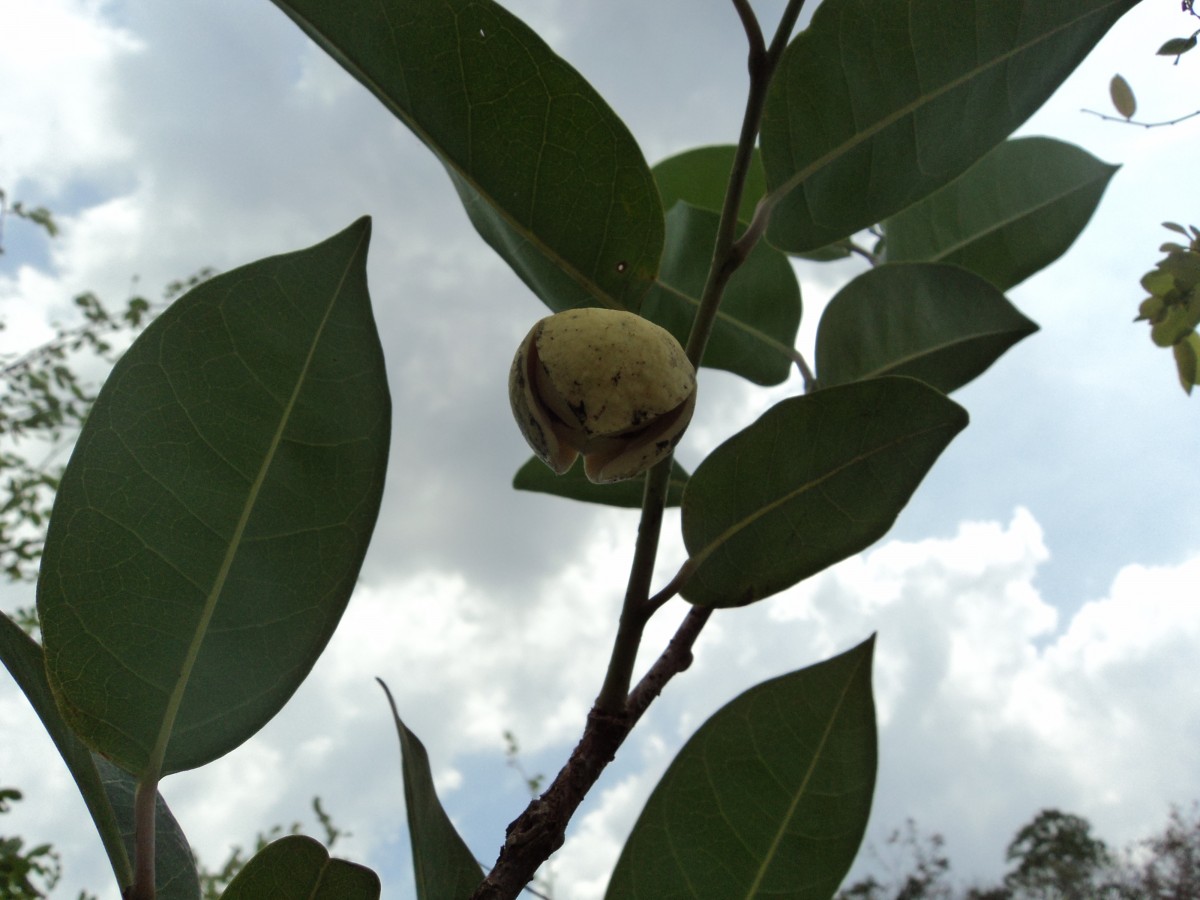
(606, 384)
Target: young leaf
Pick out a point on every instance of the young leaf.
(755, 332)
(536, 476)
(941, 324)
(700, 177)
(297, 867)
(550, 176)
(1122, 96)
(213, 517)
(768, 799)
(1010, 215)
(106, 790)
(880, 102)
(444, 866)
(1186, 352)
(814, 480)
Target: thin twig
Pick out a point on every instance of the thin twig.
(1122, 120)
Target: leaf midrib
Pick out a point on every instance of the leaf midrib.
(175, 700)
(832, 155)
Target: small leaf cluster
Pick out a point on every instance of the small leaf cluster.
(1173, 307)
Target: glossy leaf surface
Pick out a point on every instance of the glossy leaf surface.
(106, 790)
(880, 102)
(549, 175)
(815, 479)
(297, 867)
(536, 476)
(442, 863)
(213, 517)
(755, 332)
(768, 799)
(941, 324)
(1010, 215)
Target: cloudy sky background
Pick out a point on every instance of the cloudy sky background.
(1036, 604)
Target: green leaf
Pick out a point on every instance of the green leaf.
(1186, 353)
(1122, 96)
(549, 175)
(212, 520)
(443, 865)
(755, 332)
(1177, 321)
(106, 790)
(1177, 46)
(814, 480)
(175, 875)
(297, 867)
(880, 102)
(700, 177)
(941, 324)
(536, 476)
(1010, 215)
(23, 658)
(768, 799)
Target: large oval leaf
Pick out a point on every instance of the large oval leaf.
(212, 520)
(1010, 215)
(768, 799)
(813, 480)
(297, 867)
(443, 866)
(941, 324)
(550, 176)
(755, 332)
(880, 102)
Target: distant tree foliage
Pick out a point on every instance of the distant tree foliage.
(1055, 856)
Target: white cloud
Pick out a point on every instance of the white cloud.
(57, 125)
(987, 712)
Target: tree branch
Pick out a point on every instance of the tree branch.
(541, 828)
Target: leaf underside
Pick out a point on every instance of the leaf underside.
(880, 102)
(213, 517)
(769, 798)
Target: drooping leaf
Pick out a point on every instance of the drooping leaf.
(1010, 215)
(211, 522)
(815, 479)
(106, 790)
(941, 324)
(700, 177)
(1186, 353)
(768, 799)
(755, 332)
(536, 476)
(549, 175)
(443, 865)
(880, 102)
(1122, 96)
(297, 867)
(175, 875)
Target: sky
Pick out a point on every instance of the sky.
(1036, 603)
